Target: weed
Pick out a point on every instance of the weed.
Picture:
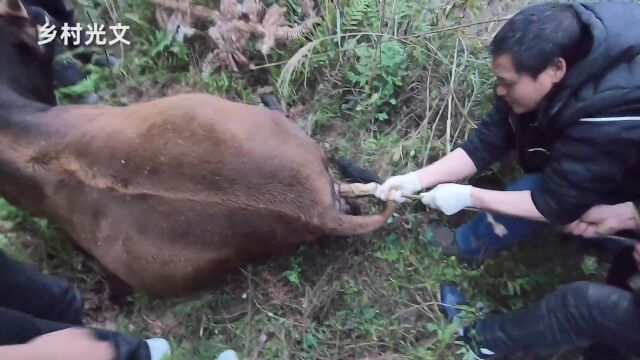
(381, 87)
(293, 275)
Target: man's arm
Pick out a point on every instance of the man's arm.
(454, 166)
(571, 183)
(67, 344)
(514, 203)
(588, 164)
(587, 167)
(577, 177)
(451, 198)
(17, 352)
(490, 141)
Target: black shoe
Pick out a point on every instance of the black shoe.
(450, 299)
(470, 338)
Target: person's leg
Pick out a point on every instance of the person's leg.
(623, 267)
(33, 304)
(61, 15)
(19, 328)
(55, 8)
(574, 315)
(25, 289)
(477, 238)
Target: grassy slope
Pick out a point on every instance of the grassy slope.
(370, 296)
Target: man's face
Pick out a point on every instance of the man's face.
(521, 91)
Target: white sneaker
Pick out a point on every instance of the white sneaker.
(227, 355)
(159, 348)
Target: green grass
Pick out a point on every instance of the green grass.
(368, 296)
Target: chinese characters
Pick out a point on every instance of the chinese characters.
(95, 34)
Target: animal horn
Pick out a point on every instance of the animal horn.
(13, 8)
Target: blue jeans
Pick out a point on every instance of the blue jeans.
(477, 238)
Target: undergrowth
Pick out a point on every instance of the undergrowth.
(392, 84)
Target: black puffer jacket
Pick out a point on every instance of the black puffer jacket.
(585, 137)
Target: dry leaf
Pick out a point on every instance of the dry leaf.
(234, 25)
(176, 22)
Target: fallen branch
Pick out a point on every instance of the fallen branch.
(262, 340)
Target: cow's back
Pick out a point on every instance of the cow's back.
(170, 193)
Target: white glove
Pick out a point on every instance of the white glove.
(448, 198)
(406, 184)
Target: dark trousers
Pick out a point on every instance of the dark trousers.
(34, 304)
(603, 317)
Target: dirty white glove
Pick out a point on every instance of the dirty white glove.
(448, 198)
(406, 184)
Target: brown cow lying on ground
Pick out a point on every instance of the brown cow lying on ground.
(168, 194)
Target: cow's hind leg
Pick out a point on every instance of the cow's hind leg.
(352, 172)
(119, 291)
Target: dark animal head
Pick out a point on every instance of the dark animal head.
(26, 67)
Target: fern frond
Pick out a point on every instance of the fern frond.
(360, 12)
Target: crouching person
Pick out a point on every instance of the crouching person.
(41, 318)
(603, 317)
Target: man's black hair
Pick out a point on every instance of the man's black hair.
(539, 34)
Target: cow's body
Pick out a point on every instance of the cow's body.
(171, 193)
(168, 194)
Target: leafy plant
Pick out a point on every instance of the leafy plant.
(217, 83)
(381, 74)
(293, 274)
(361, 13)
(589, 265)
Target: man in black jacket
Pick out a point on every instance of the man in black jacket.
(568, 101)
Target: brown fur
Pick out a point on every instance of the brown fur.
(172, 193)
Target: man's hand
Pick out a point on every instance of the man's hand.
(406, 184)
(582, 228)
(448, 198)
(68, 344)
(602, 220)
